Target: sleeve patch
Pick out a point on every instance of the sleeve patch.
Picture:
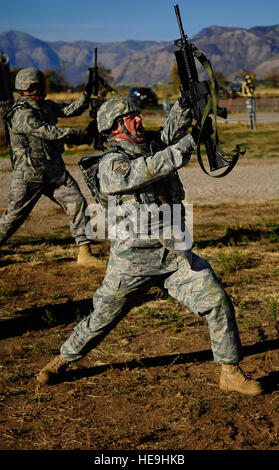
(121, 166)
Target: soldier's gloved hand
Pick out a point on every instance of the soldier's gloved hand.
(88, 87)
(90, 131)
(206, 132)
(183, 101)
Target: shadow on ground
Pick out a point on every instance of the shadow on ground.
(270, 382)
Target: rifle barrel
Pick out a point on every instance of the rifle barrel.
(179, 21)
(95, 57)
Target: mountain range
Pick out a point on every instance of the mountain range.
(132, 62)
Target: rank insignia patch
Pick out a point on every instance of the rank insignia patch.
(121, 166)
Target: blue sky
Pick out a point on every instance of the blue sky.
(108, 20)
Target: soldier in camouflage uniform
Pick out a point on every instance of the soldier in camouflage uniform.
(135, 175)
(36, 145)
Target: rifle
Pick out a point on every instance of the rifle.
(6, 100)
(94, 80)
(202, 99)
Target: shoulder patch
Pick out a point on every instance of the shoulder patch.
(121, 166)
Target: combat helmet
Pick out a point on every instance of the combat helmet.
(27, 77)
(113, 109)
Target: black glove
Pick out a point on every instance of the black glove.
(89, 86)
(90, 131)
(206, 132)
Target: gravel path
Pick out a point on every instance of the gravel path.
(250, 181)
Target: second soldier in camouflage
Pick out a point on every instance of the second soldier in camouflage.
(36, 146)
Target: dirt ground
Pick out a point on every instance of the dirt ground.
(151, 384)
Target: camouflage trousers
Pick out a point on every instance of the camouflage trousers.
(23, 196)
(195, 286)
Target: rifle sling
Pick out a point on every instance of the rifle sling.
(212, 104)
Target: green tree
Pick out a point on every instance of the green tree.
(175, 80)
(221, 79)
(55, 81)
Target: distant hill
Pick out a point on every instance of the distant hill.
(147, 62)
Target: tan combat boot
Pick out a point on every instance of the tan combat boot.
(53, 370)
(232, 378)
(85, 257)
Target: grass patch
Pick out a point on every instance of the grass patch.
(154, 318)
(4, 155)
(262, 142)
(232, 261)
(273, 310)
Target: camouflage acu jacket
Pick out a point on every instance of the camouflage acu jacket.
(137, 178)
(36, 143)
